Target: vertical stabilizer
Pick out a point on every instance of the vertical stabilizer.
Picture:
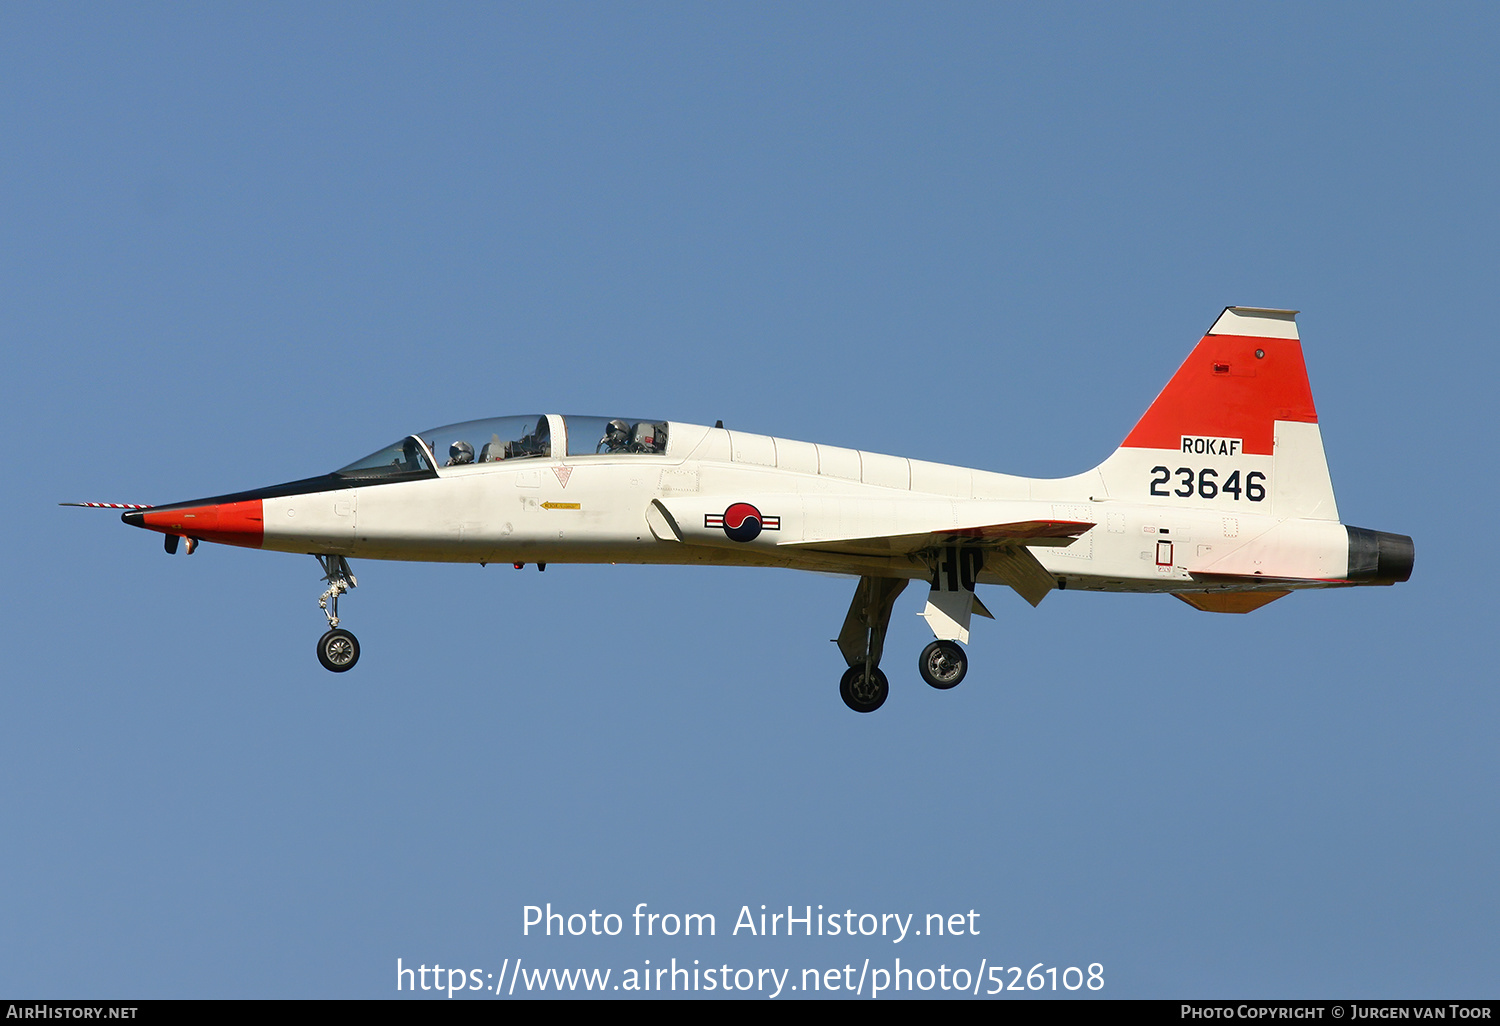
(1235, 429)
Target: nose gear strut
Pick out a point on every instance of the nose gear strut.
(338, 650)
(340, 579)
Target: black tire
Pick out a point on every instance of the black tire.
(861, 694)
(943, 664)
(338, 650)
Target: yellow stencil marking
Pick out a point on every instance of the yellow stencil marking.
(560, 505)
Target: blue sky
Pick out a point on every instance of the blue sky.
(248, 244)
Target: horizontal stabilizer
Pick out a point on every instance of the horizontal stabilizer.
(1230, 601)
(1258, 582)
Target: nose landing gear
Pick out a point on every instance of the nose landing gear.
(338, 650)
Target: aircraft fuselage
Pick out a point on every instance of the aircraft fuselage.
(637, 508)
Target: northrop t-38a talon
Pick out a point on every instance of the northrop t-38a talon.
(1220, 495)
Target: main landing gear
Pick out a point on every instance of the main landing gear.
(943, 664)
(950, 602)
(863, 687)
(338, 650)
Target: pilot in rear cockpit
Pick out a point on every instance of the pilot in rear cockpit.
(459, 454)
(616, 437)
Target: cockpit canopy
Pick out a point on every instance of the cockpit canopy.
(507, 438)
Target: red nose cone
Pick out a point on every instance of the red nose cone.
(230, 523)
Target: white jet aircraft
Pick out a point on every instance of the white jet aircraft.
(1220, 495)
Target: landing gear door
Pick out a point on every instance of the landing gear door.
(950, 602)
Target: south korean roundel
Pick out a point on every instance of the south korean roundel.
(742, 522)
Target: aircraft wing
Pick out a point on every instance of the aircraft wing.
(855, 525)
(881, 528)
(1006, 549)
(986, 536)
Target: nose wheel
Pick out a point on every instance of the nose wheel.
(338, 650)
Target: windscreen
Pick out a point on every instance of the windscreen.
(406, 458)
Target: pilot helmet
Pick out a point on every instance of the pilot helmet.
(460, 453)
(617, 431)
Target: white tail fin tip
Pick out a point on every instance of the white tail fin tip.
(1256, 322)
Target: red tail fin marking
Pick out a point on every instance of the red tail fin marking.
(1232, 386)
